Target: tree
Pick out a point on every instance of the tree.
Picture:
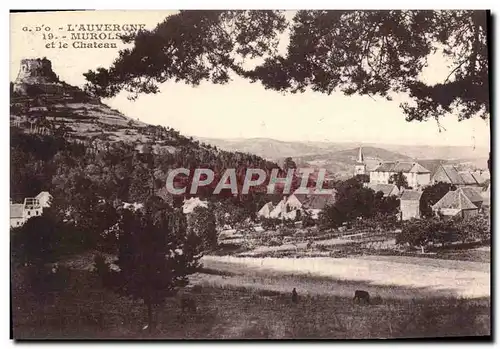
(364, 52)
(363, 178)
(431, 195)
(289, 164)
(331, 217)
(201, 222)
(415, 233)
(155, 256)
(37, 242)
(399, 179)
(353, 200)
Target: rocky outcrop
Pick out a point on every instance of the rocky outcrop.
(36, 79)
(36, 71)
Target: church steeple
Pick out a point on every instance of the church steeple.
(360, 167)
(360, 156)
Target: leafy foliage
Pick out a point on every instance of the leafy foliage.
(435, 230)
(353, 201)
(37, 242)
(399, 179)
(201, 222)
(364, 52)
(156, 254)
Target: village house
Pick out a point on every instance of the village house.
(410, 204)
(463, 202)
(450, 174)
(416, 175)
(266, 210)
(293, 206)
(31, 207)
(386, 189)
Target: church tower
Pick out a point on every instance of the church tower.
(360, 167)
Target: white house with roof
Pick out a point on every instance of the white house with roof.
(265, 211)
(292, 206)
(31, 207)
(416, 175)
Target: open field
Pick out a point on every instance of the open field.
(84, 310)
(387, 276)
(242, 297)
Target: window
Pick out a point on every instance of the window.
(29, 213)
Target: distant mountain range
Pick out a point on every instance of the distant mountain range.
(340, 158)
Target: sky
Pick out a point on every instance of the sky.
(241, 109)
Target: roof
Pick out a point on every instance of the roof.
(301, 197)
(479, 177)
(266, 209)
(279, 209)
(387, 189)
(385, 167)
(16, 210)
(43, 193)
(467, 177)
(401, 166)
(454, 199)
(453, 174)
(190, 204)
(411, 195)
(318, 202)
(417, 168)
(431, 165)
(472, 194)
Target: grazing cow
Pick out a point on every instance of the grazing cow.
(361, 297)
(295, 296)
(309, 244)
(188, 304)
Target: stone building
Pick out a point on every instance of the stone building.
(416, 175)
(410, 204)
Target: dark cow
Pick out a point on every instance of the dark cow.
(295, 296)
(188, 304)
(361, 296)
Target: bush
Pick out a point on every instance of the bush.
(270, 223)
(419, 233)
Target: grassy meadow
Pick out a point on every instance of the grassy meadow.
(236, 303)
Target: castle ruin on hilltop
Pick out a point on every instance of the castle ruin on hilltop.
(36, 79)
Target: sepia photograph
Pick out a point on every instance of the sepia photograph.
(250, 174)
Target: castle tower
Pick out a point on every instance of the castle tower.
(360, 167)
(36, 71)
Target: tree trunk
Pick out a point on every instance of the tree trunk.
(422, 249)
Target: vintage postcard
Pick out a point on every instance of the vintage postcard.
(250, 174)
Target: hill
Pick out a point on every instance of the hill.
(342, 162)
(59, 133)
(467, 156)
(268, 148)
